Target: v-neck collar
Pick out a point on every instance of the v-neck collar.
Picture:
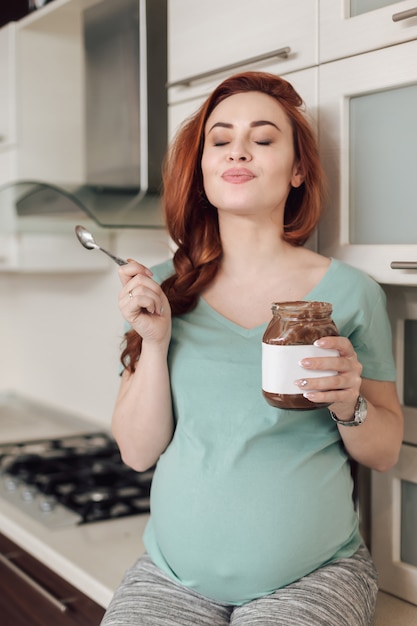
(256, 330)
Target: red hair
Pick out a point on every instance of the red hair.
(192, 221)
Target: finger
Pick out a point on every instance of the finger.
(324, 383)
(143, 299)
(341, 344)
(335, 396)
(133, 268)
(142, 284)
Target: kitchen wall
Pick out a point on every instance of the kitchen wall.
(60, 333)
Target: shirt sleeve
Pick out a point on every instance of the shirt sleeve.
(368, 328)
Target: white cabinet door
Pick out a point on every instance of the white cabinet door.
(49, 89)
(394, 520)
(208, 35)
(7, 86)
(8, 165)
(356, 26)
(368, 138)
(304, 81)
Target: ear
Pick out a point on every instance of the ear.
(297, 177)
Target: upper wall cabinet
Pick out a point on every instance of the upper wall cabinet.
(368, 139)
(304, 81)
(7, 87)
(217, 38)
(349, 27)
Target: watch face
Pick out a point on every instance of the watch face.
(361, 410)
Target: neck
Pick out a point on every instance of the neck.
(249, 246)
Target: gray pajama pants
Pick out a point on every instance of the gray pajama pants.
(342, 593)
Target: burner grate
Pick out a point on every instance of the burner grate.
(83, 474)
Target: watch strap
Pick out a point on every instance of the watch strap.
(359, 414)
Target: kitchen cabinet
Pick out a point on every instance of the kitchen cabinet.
(304, 81)
(7, 88)
(36, 95)
(368, 136)
(8, 162)
(33, 595)
(62, 128)
(8, 149)
(49, 86)
(349, 28)
(210, 35)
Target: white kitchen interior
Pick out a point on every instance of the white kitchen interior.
(354, 62)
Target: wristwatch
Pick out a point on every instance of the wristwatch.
(359, 415)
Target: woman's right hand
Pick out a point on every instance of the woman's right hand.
(143, 304)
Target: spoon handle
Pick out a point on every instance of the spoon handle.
(115, 258)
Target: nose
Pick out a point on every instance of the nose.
(238, 152)
(235, 157)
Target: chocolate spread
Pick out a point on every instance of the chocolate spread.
(300, 324)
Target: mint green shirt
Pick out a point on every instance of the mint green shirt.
(248, 498)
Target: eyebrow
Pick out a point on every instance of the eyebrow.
(251, 125)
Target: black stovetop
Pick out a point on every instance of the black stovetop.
(81, 473)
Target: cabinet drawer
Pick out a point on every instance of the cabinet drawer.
(34, 595)
(344, 32)
(211, 34)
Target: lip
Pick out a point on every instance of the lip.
(237, 175)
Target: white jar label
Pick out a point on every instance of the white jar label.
(280, 367)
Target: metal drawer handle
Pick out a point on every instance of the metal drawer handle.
(185, 82)
(404, 15)
(404, 265)
(32, 583)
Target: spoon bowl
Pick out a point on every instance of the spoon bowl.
(87, 240)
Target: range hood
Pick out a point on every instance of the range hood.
(125, 124)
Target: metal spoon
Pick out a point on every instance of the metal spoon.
(87, 240)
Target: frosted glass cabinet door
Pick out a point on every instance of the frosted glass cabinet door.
(368, 139)
(354, 26)
(383, 167)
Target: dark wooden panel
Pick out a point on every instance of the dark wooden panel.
(23, 605)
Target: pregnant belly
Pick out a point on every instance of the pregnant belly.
(236, 535)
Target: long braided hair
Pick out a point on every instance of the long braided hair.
(192, 221)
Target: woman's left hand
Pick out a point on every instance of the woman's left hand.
(375, 443)
(340, 391)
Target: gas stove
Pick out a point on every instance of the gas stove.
(74, 479)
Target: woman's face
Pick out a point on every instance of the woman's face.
(248, 161)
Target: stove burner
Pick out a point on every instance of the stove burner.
(83, 474)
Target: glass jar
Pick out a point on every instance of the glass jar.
(289, 337)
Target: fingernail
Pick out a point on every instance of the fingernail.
(305, 363)
(319, 343)
(309, 395)
(301, 383)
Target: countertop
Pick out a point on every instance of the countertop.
(93, 557)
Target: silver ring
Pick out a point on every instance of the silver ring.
(130, 295)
